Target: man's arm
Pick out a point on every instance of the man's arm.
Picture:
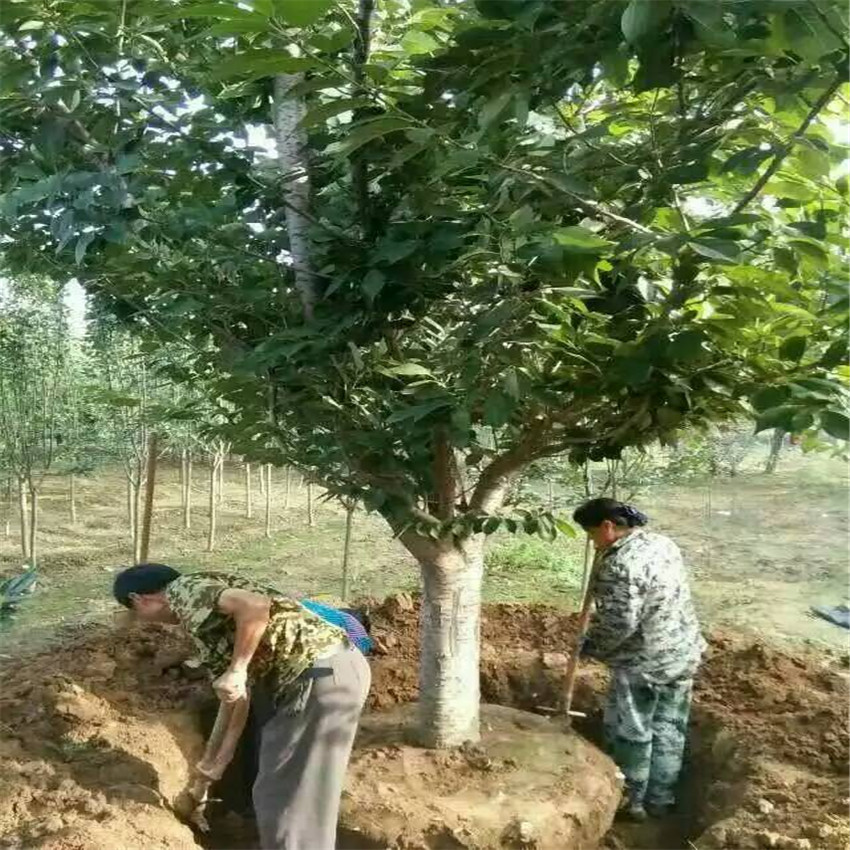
(222, 743)
(250, 612)
(620, 595)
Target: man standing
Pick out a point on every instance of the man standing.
(646, 630)
(305, 680)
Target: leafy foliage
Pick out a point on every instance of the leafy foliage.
(582, 226)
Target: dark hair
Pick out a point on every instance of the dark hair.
(593, 513)
(143, 578)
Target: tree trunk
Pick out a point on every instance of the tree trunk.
(268, 531)
(587, 476)
(33, 556)
(221, 478)
(350, 508)
(137, 518)
(182, 478)
(150, 485)
(291, 139)
(262, 471)
(776, 442)
(287, 487)
(131, 520)
(8, 501)
(22, 510)
(449, 691)
(214, 481)
(187, 493)
(311, 516)
(72, 497)
(249, 504)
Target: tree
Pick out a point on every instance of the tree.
(34, 409)
(490, 232)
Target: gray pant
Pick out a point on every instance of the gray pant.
(303, 757)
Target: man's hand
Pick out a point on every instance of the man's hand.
(232, 685)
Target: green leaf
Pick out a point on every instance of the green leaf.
(224, 11)
(687, 345)
(407, 370)
(372, 284)
(493, 109)
(367, 132)
(418, 43)
(793, 348)
(320, 114)
(301, 13)
(498, 408)
(802, 422)
(580, 240)
(836, 355)
(747, 160)
(811, 250)
(261, 63)
(707, 16)
(391, 252)
(643, 18)
(565, 528)
(716, 249)
(30, 26)
(82, 245)
(835, 424)
(777, 417)
(769, 397)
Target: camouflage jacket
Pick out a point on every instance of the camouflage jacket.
(645, 622)
(293, 640)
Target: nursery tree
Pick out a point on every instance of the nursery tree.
(478, 235)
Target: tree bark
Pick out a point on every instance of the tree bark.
(776, 442)
(8, 518)
(291, 139)
(72, 497)
(268, 530)
(249, 505)
(214, 480)
(262, 471)
(137, 519)
(221, 478)
(311, 515)
(150, 486)
(182, 478)
(287, 487)
(33, 554)
(131, 521)
(350, 508)
(449, 691)
(587, 476)
(24, 523)
(187, 493)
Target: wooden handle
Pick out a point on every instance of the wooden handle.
(583, 622)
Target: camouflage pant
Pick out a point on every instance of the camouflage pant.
(645, 729)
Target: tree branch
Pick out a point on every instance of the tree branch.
(782, 153)
(359, 163)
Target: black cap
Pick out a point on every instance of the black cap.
(143, 578)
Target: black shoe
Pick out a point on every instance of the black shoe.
(659, 810)
(631, 813)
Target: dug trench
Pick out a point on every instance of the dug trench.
(97, 737)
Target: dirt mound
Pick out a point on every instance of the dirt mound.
(525, 785)
(98, 734)
(97, 742)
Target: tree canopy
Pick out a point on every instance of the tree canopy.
(417, 246)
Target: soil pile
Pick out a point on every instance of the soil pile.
(524, 785)
(97, 739)
(98, 734)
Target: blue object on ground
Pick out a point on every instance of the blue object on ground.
(837, 614)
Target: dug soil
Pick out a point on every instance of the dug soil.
(97, 736)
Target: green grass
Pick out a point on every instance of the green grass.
(761, 550)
